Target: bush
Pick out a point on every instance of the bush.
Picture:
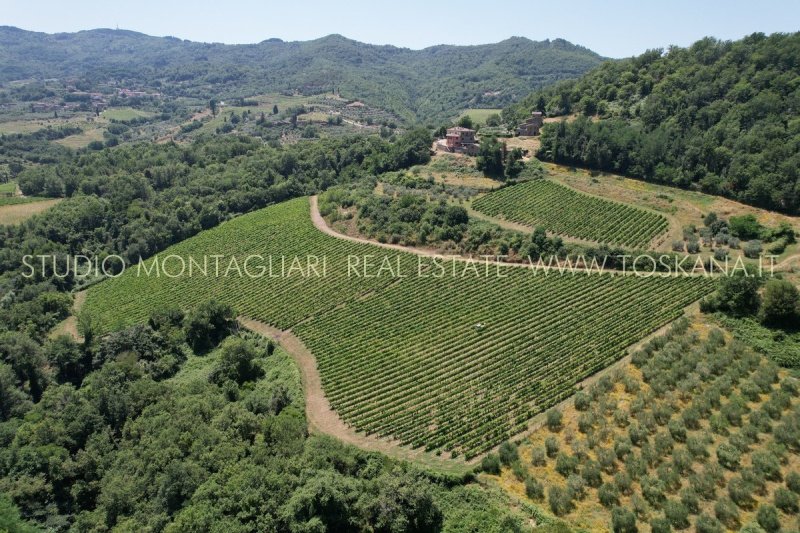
(533, 489)
(741, 493)
(677, 429)
(608, 495)
(690, 500)
(491, 464)
(786, 501)
(623, 483)
(591, 473)
(767, 465)
(752, 249)
(623, 521)
(707, 524)
(538, 457)
(566, 464)
(551, 446)
(793, 482)
(582, 401)
(780, 303)
(660, 525)
(576, 487)
(508, 453)
(559, 500)
(767, 517)
(727, 512)
(554, 419)
(677, 514)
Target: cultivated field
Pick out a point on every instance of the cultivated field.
(455, 364)
(697, 432)
(565, 211)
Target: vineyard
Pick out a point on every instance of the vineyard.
(568, 212)
(455, 364)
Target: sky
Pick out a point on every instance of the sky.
(612, 28)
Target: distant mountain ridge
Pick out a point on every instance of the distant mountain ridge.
(434, 82)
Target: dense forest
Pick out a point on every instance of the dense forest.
(436, 82)
(720, 116)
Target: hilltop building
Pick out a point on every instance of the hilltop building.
(460, 141)
(532, 125)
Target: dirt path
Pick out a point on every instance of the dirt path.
(69, 326)
(786, 261)
(322, 419)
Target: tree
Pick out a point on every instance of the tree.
(491, 464)
(275, 109)
(738, 294)
(465, 122)
(559, 500)
(208, 324)
(508, 453)
(745, 227)
(781, 303)
(237, 362)
(514, 164)
(68, 359)
(623, 521)
(212, 105)
(490, 157)
(767, 517)
(554, 420)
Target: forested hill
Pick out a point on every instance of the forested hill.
(721, 116)
(432, 83)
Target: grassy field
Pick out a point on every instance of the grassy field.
(456, 363)
(17, 209)
(123, 113)
(479, 115)
(562, 210)
(696, 430)
(8, 188)
(82, 140)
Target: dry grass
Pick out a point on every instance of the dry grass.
(16, 213)
(81, 140)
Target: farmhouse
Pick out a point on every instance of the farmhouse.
(532, 125)
(459, 140)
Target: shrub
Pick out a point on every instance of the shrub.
(491, 464)
(559, 500)
(727, 512)
(607, 460)
(508, 453)
(622, 448)
(660, 525)
(766, 464)
(576, 487)
(519, 471)
(652, 490)
(608, 495)
(582, 401)
(677, 514)
(585, 422)
(767, 517)
(566, 464)
(551, 446)
(707, 524)
(663, 444)
(697, 447)
(591, 473)
(237, 362)
(719, 424)
(554, 420)
(741, 493)
(208, 324)
(623, 482)
(752, 249)
(623, 521)
(677, 429)
(786, 501)
(690, 500)
(533, 489)
(538, 457)
(793, 482)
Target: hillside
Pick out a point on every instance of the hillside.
(719, 116)
(436, 82)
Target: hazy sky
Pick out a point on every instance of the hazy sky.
(614, 28)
